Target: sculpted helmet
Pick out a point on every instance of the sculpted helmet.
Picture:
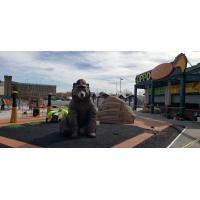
(79, 86)
(81, 83)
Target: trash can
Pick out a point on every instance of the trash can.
(36, 112)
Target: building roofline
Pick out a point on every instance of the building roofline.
(14, 82)
(193, 68)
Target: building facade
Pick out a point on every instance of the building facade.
(172, 87)
(1, 88)
(27, 90)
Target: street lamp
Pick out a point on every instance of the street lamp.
(121, 85)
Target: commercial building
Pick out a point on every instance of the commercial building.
(1, 88)
(25, 90)
(171, 87)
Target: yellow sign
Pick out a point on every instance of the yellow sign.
(180, 62)
(175, 89)
(190, 88)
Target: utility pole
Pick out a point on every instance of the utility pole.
(121, 85)
(116, 88)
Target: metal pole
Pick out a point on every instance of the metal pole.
(182, 94)
(121, 85)
(116, 88)
(135, 98)
(152, 96)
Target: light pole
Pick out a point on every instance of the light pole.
(116, 88)
(121, 85)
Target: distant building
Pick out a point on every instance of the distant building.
(1, 88)
(25, 90)
(63, 95)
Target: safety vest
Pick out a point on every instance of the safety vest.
(64, 113)
(50, 114)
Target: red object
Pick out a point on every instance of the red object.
(162, 71)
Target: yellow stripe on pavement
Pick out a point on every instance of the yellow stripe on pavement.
(191, 143)
(15, 143)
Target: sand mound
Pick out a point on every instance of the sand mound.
(115, 111)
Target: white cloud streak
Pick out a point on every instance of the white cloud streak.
(103, 71)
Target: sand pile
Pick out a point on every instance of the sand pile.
(115, 111)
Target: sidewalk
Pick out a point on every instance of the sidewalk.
(189, 137)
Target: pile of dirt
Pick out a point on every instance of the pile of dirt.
(113, 110)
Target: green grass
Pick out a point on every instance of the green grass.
(34, 123)
(23, 125)
(15, 126)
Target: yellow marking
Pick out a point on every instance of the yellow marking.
(15, 143)
(190, 144)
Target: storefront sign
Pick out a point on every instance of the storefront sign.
(181, 62)
(162, 71)
(143, 77)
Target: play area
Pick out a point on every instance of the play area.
(41, 134)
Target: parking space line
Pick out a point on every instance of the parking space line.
(190, 144)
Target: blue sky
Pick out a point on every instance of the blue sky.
(101, 69)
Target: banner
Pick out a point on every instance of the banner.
(175, 89)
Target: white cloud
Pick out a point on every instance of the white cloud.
(102, 72)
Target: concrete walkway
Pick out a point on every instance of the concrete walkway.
(189, 137)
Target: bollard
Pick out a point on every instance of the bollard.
(13, 118)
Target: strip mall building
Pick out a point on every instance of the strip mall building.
(171, 87)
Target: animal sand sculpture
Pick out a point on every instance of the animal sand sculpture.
(81, 119)
(113, 110)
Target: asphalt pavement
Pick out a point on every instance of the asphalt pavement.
(189, 137)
